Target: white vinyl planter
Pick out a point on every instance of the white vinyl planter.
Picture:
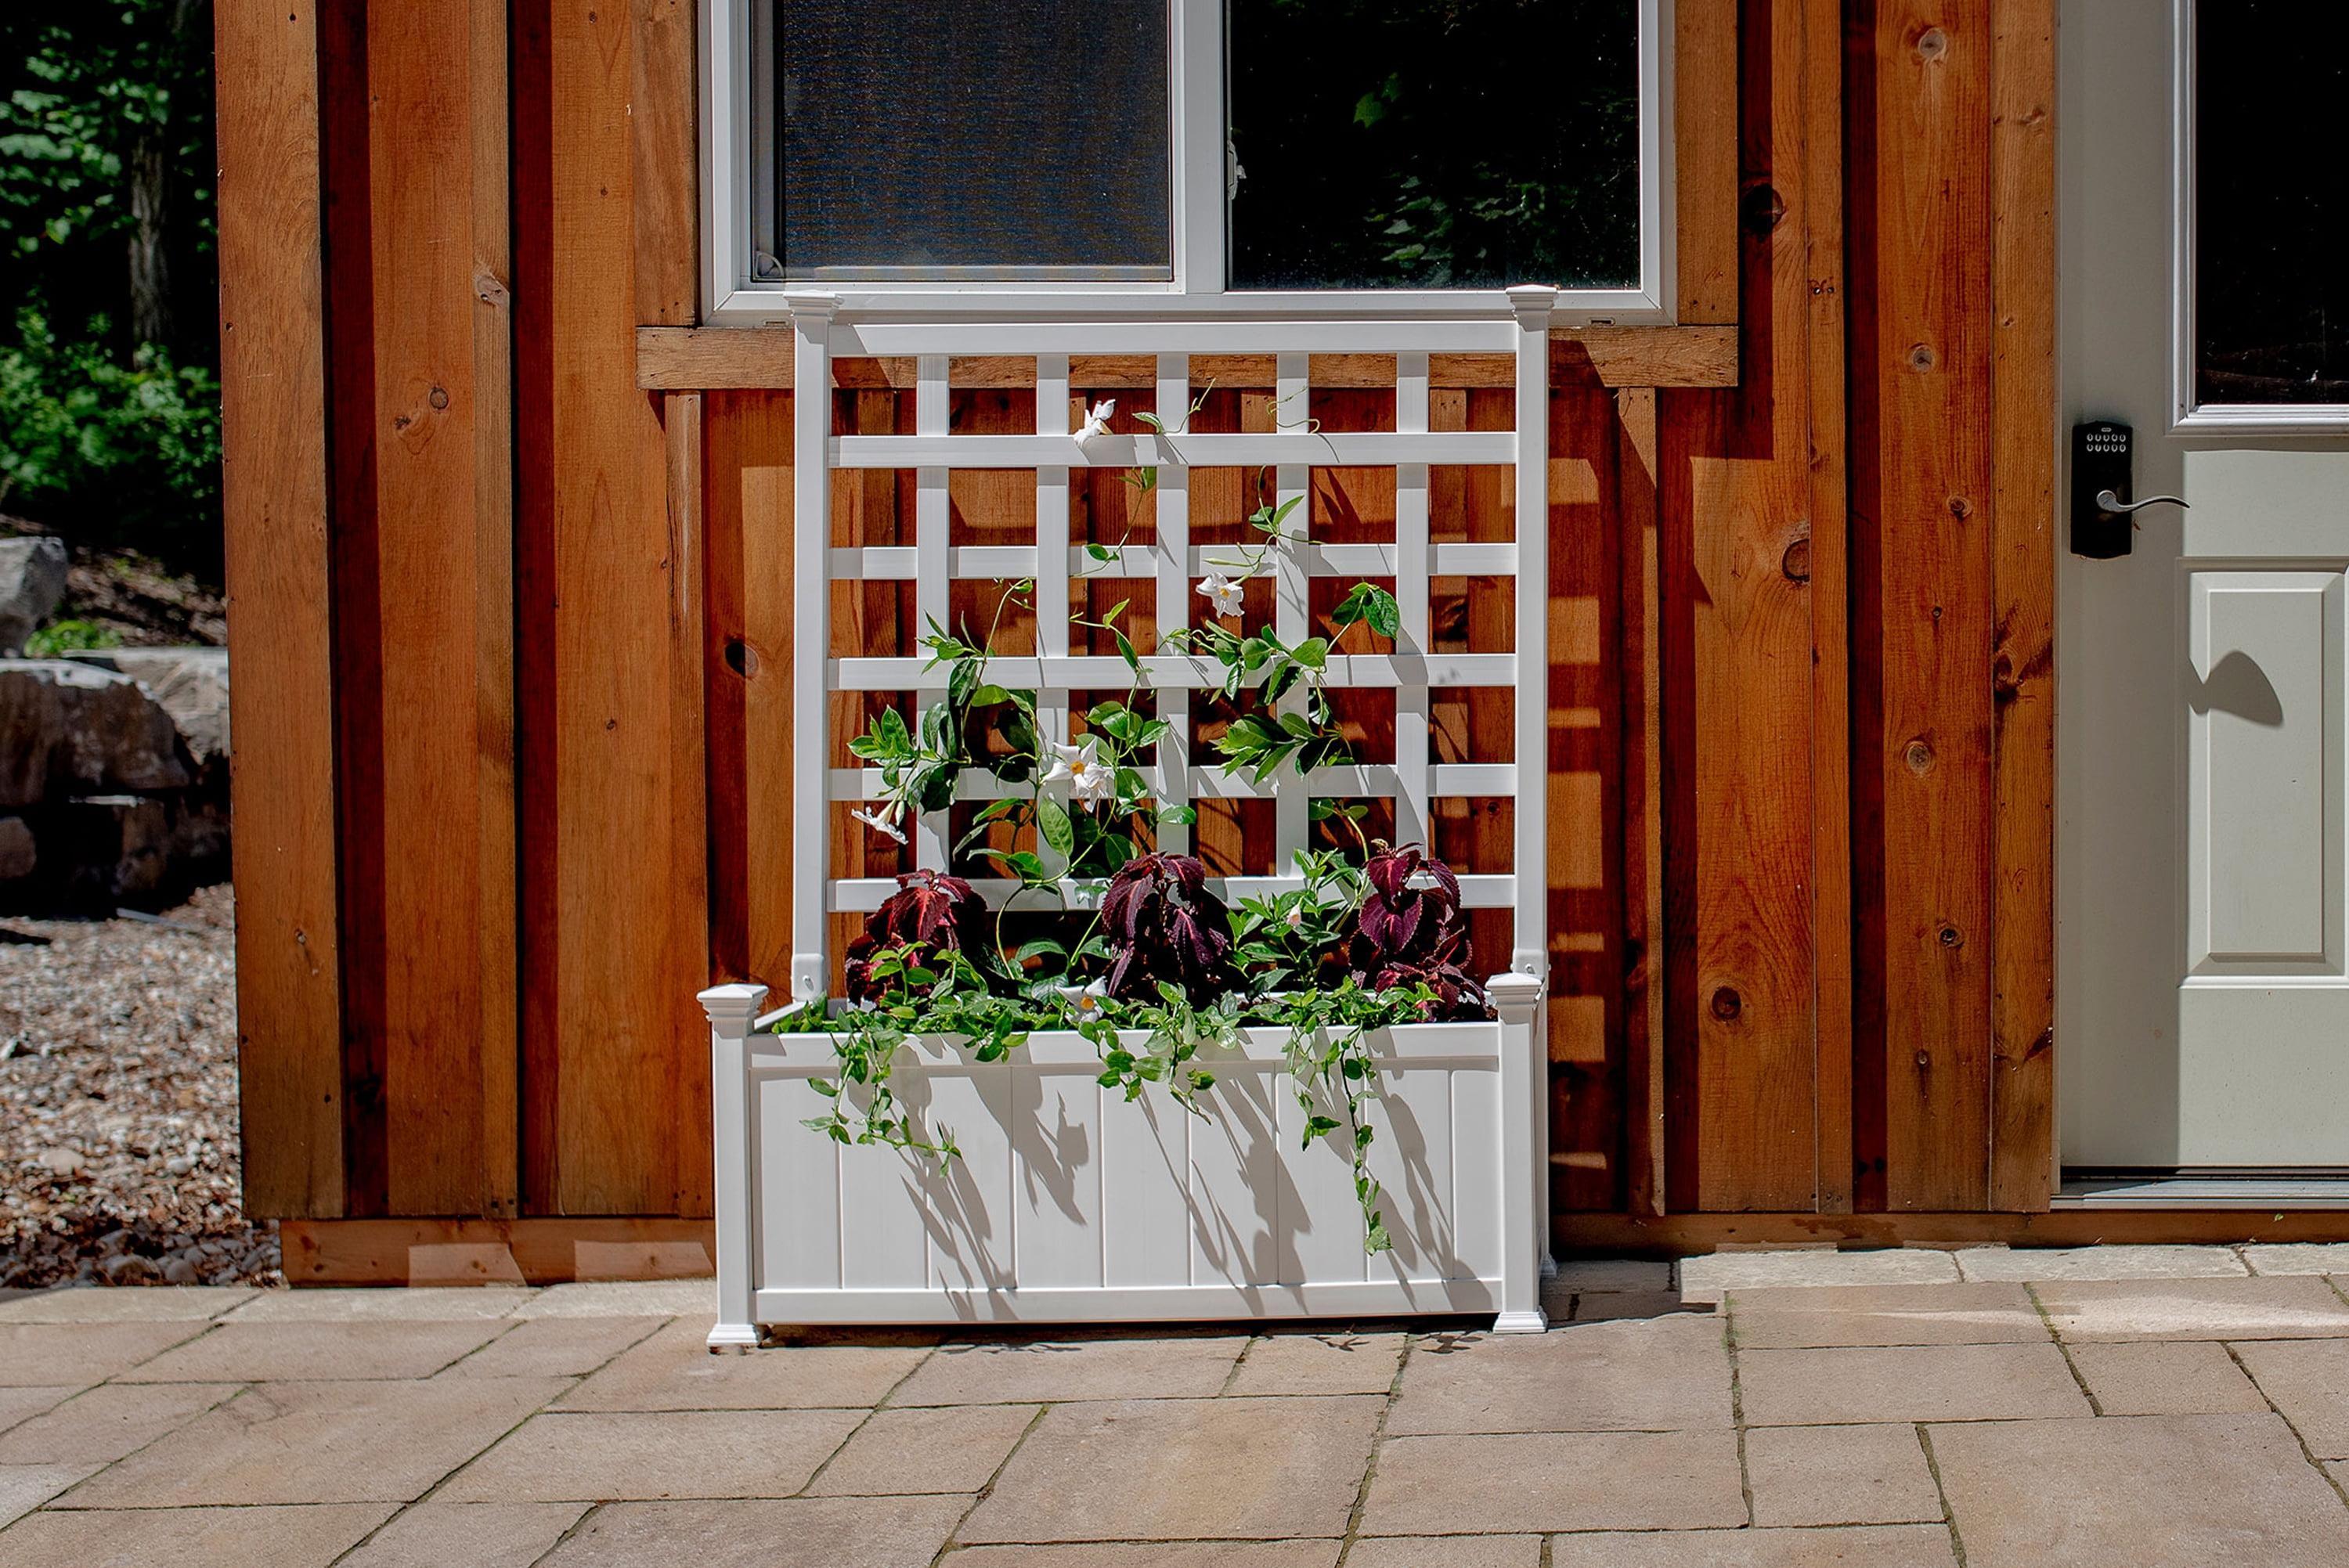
(1068, 1202)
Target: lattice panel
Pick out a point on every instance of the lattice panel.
(1170, 565)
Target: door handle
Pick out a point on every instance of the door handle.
(2107, 501)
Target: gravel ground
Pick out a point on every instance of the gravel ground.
(118, 1103)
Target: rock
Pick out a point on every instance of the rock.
(59, 1161)
(32, 580)
(189, 683)
(180, 1270)
(70, 729)
(20, 855)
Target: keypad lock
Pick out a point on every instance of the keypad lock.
(2104, 455)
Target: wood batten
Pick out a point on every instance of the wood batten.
(676, 360)
(274, 487)
(2022, 585)
(1641, 822)
(1822, 557)
(1921, 378)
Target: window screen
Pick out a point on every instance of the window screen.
(973, 138)
(1435, 143)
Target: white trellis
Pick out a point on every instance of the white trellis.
(771, 1264)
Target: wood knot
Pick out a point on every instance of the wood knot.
(1960, 508)
(741, 658)
(1950, 937)
(1761, 209)
(1919, 757)
(1727, 1005)
(1797, 563)
(1922, 358)
(1932, 44)
(438, 398)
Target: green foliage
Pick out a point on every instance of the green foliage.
(86, 437)
(109, 388)
(69, 636)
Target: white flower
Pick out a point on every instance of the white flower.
(1297, 917)
(1085, 1001)
(1081, 767)
(1221, 593)
(884, 821)
(1096, 422)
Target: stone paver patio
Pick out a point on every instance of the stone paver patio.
(2130, 1405)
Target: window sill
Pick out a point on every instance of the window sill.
(759, 358)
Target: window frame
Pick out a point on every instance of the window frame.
(737, 145)
(2189, 416)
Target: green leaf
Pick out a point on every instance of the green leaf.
(1313, 653)
(1052, 824)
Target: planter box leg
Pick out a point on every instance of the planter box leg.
(1524, 1183)
(732, 1010)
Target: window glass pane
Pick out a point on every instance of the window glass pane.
(1435, 143)
(2271, 190)
(1003, 135)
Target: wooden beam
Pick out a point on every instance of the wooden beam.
(688, 883)
(753, 358)
(1681, 1235)
(480, 1251)
(1704, 159)
(443, 607)
(2023, 542)
(274, 484)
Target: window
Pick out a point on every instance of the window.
(1318, 156)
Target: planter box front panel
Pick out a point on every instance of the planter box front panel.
(1067, 1202)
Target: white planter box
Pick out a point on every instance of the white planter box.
(1068, 1205)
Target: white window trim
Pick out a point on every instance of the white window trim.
(2187, 416)
(730, 143)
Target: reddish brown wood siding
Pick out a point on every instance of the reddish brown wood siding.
(540, 680)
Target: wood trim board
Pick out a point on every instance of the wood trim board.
(752, 358)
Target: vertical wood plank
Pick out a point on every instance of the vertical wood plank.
(1929, 365)
(1704, 159)
(747, 522)
(444, 538)
(2023, 572)
(682, 422)
(1640, 711)
(273, 479)
(1737, 672)
(1826, 564)
(664, 94)
(608, 818)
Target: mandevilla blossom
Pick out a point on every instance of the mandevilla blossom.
(1097, 422)
(1080, 767)
(1085, 1001)
(882, 822)
(1223, 594)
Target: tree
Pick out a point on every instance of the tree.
(105, 160)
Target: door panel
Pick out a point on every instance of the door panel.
(2202, 709)
(2262, 799)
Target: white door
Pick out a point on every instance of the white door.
(2203, 689)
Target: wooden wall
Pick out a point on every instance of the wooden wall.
(514, 658)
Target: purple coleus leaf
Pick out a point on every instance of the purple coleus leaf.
(929, 913)
(1411, 920)
(1165, 925)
